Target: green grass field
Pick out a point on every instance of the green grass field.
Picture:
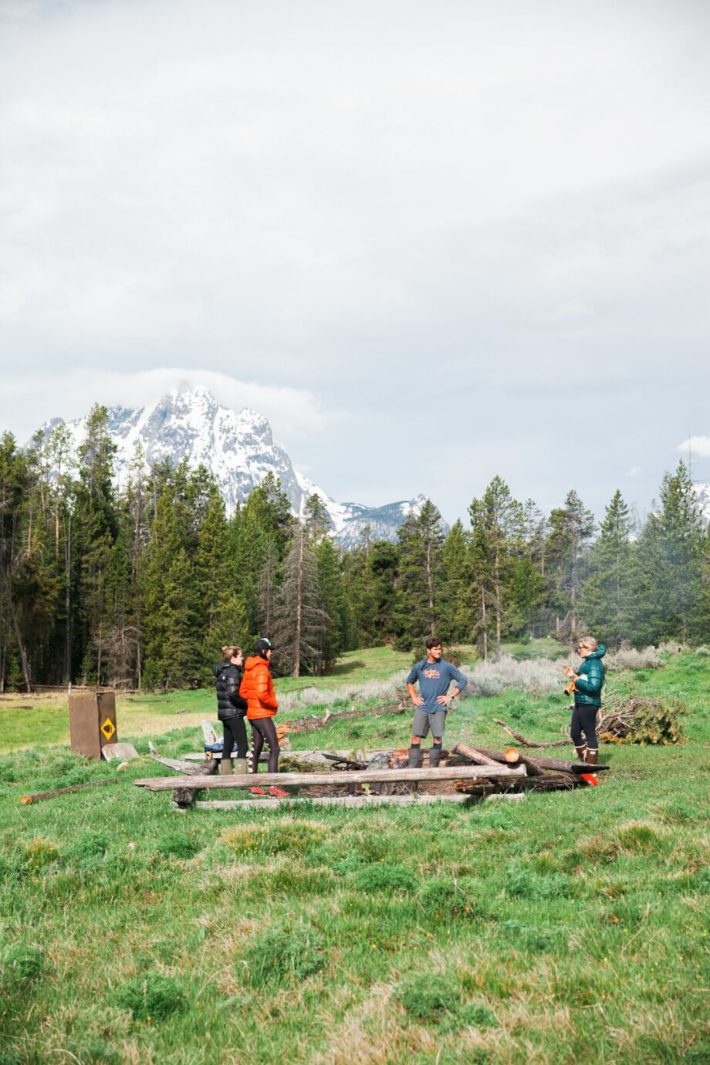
(569, 928)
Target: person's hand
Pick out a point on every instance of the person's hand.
(569, 672)
(444, 699)
(417, 700)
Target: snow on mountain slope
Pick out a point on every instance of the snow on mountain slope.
(238, 448)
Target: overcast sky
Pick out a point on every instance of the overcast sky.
(432, 241)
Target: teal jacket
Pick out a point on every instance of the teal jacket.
(588, 686)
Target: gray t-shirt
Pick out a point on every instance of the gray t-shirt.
(434, 680)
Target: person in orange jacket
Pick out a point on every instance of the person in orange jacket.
(257, 688)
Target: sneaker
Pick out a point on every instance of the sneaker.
(257, 791)
(277, 792)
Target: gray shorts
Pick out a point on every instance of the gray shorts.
(423, 722)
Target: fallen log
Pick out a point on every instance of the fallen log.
(530, 743)
(367, 776)
(539, 764)
(310, 724)
(207, 766)
(27, 800)
(472, 754)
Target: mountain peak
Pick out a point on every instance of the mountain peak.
(188, 423)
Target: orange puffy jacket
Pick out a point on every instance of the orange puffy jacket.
(257, 688)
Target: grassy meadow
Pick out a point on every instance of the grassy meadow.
(568, 928)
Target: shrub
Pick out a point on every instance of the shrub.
(152, 997)
(629, 658)
(537, 676)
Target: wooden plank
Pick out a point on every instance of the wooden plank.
(332, 800)
(366, 776)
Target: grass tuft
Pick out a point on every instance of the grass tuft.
(428, 996)
(285, 953)
(383, 877)
(152, 997)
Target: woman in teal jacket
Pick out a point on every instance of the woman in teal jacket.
(588, 682)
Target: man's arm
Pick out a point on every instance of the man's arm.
(414, 695)
(461, 682)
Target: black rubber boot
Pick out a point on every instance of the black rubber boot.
(415, 758)
(434, 757)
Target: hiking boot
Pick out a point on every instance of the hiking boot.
(434, 757)
(225, 767)
(415, 758)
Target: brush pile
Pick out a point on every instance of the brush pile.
(642, 719)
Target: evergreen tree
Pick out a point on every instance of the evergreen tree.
(456, 599)
(571, 528)
(669, 593)
(497, 522)
(606, 595)
(221, 610)
(300, 620)
(14, 486)
(95, 530)
(421, 539)
(166, 582)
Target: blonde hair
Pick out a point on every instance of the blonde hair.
(588, 641)
(230, 651)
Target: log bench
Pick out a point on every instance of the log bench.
(186, 787)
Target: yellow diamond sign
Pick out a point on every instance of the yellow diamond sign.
(108, 728)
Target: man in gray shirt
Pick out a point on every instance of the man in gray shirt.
(434, 676)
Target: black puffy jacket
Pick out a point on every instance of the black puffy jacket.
(229, 701)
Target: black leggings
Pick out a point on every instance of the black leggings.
(264, 729)
(235, 735)
(584, 720)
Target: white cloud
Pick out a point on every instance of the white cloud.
(29, 401)
(635, 471)
(698, 446)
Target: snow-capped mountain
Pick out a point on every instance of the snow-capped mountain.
(238, 448)
(702, 498)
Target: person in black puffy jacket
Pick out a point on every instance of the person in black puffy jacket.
(231, 709)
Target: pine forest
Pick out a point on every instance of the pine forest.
(141, 588)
